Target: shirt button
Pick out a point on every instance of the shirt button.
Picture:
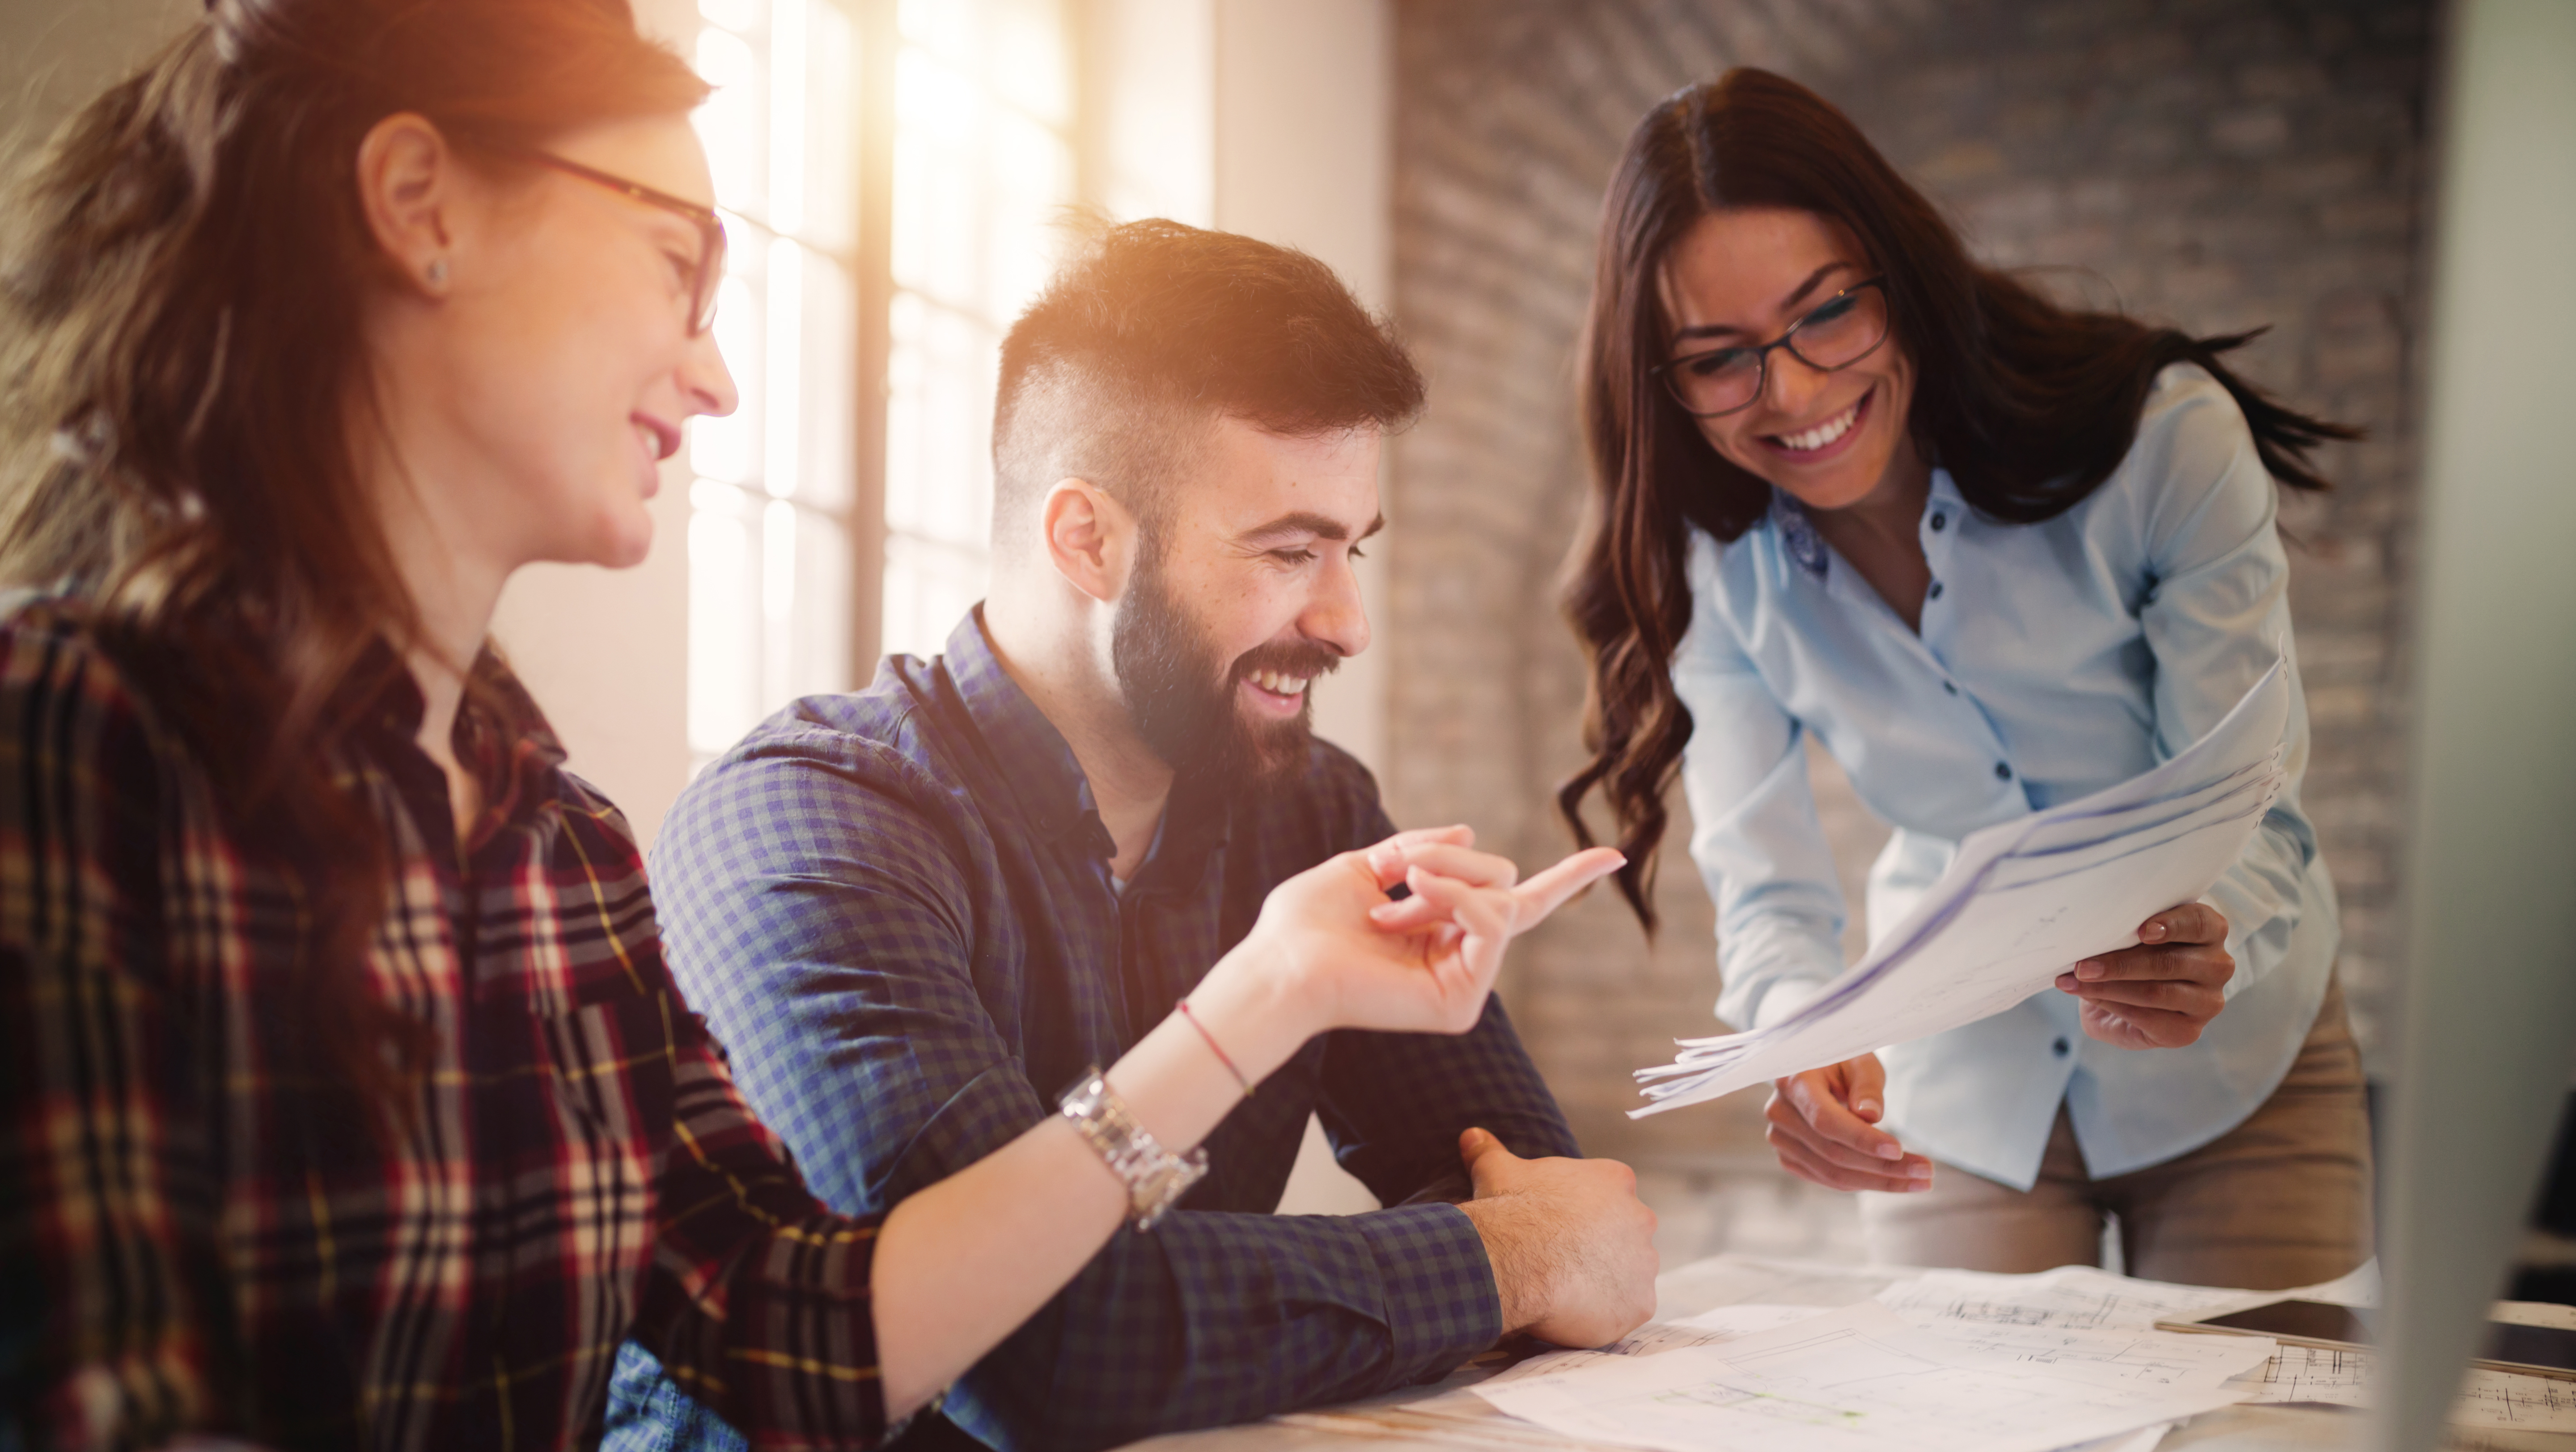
(1940, 522)
(2002, 772)
(1936, 590)
(1951, 686)
(2061, 1048)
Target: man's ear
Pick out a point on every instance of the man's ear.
(1090, 537)
(407, 186)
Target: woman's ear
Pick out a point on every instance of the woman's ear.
(407, 186)
(1090, 538)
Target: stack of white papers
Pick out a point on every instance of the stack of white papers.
(2024, 901)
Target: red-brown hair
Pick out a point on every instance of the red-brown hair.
(184, 393)
(2029, 405)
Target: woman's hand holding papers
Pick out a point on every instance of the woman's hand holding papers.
(1824, 1127)
(2157, 995)
(2162, 993)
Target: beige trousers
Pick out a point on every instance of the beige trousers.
(2281, 1200)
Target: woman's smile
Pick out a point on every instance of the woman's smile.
(659, 440)
(1825, 440)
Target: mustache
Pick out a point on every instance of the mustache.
(1302, 659)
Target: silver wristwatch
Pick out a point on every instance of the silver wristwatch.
(1155, 1178)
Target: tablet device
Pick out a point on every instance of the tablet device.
(2533, 1350)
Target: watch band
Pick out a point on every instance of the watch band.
(1155, 1177)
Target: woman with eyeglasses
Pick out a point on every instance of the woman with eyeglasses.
(1991, 554)
(348, 1101)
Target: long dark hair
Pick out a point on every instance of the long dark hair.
(185, 392)
(2029, 405)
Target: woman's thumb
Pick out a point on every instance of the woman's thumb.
(1867, 1087)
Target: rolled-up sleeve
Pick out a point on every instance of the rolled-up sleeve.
(2216, 617)
(1755, 835)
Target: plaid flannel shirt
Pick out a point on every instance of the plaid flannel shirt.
(896, 910)
(193, 1236)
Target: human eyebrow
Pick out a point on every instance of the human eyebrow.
(1804, 289)
(1298, 523)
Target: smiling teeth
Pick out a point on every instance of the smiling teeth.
(1278, 684)
(1823, 433)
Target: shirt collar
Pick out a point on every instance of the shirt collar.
(1797, 527)
(501, 736)
(1028, 753)
(1043, 774)
(1798, 532)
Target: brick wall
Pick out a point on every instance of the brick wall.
(2219, 165)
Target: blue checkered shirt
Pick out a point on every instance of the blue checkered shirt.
(895, 908)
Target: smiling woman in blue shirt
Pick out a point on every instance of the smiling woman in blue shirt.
(1993, 554)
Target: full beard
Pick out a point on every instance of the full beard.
(1181, 693)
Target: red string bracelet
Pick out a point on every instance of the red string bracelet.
(1213, 1047)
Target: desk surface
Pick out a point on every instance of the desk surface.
(1444, 1415)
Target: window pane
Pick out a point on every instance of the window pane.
(819, 658)
(1027, 57)
(1030, 172)
(787, 121)
(828, 443)
(830, 201)
(787, 403)
(983, 100)
(939, 123)
(946, 28)
(929, 587)
(724, 621)
(938, 424)
(732, 123)
(769, 566)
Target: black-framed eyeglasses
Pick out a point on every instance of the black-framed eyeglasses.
(711, 232)
(1836, 333)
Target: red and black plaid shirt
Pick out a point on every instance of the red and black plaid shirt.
(192, 1237)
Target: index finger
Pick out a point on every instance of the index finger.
(1831, 1118)
(1547, 891)
(2191, 922)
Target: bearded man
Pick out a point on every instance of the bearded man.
(916, 912)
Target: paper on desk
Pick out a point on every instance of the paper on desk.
(2004, 1312)
(2088, 1322)
(2022, 901)
(1847, 1380)
(2488, 1398)
(1709, 1328)
(2071, 1297)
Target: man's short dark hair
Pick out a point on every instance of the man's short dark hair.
(1150, 332)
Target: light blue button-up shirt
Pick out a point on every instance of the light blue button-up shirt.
(2055, 659)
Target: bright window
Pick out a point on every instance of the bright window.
(980, 156)
(983, 157)
(770, 524)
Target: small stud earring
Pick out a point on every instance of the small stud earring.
(437, 272)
